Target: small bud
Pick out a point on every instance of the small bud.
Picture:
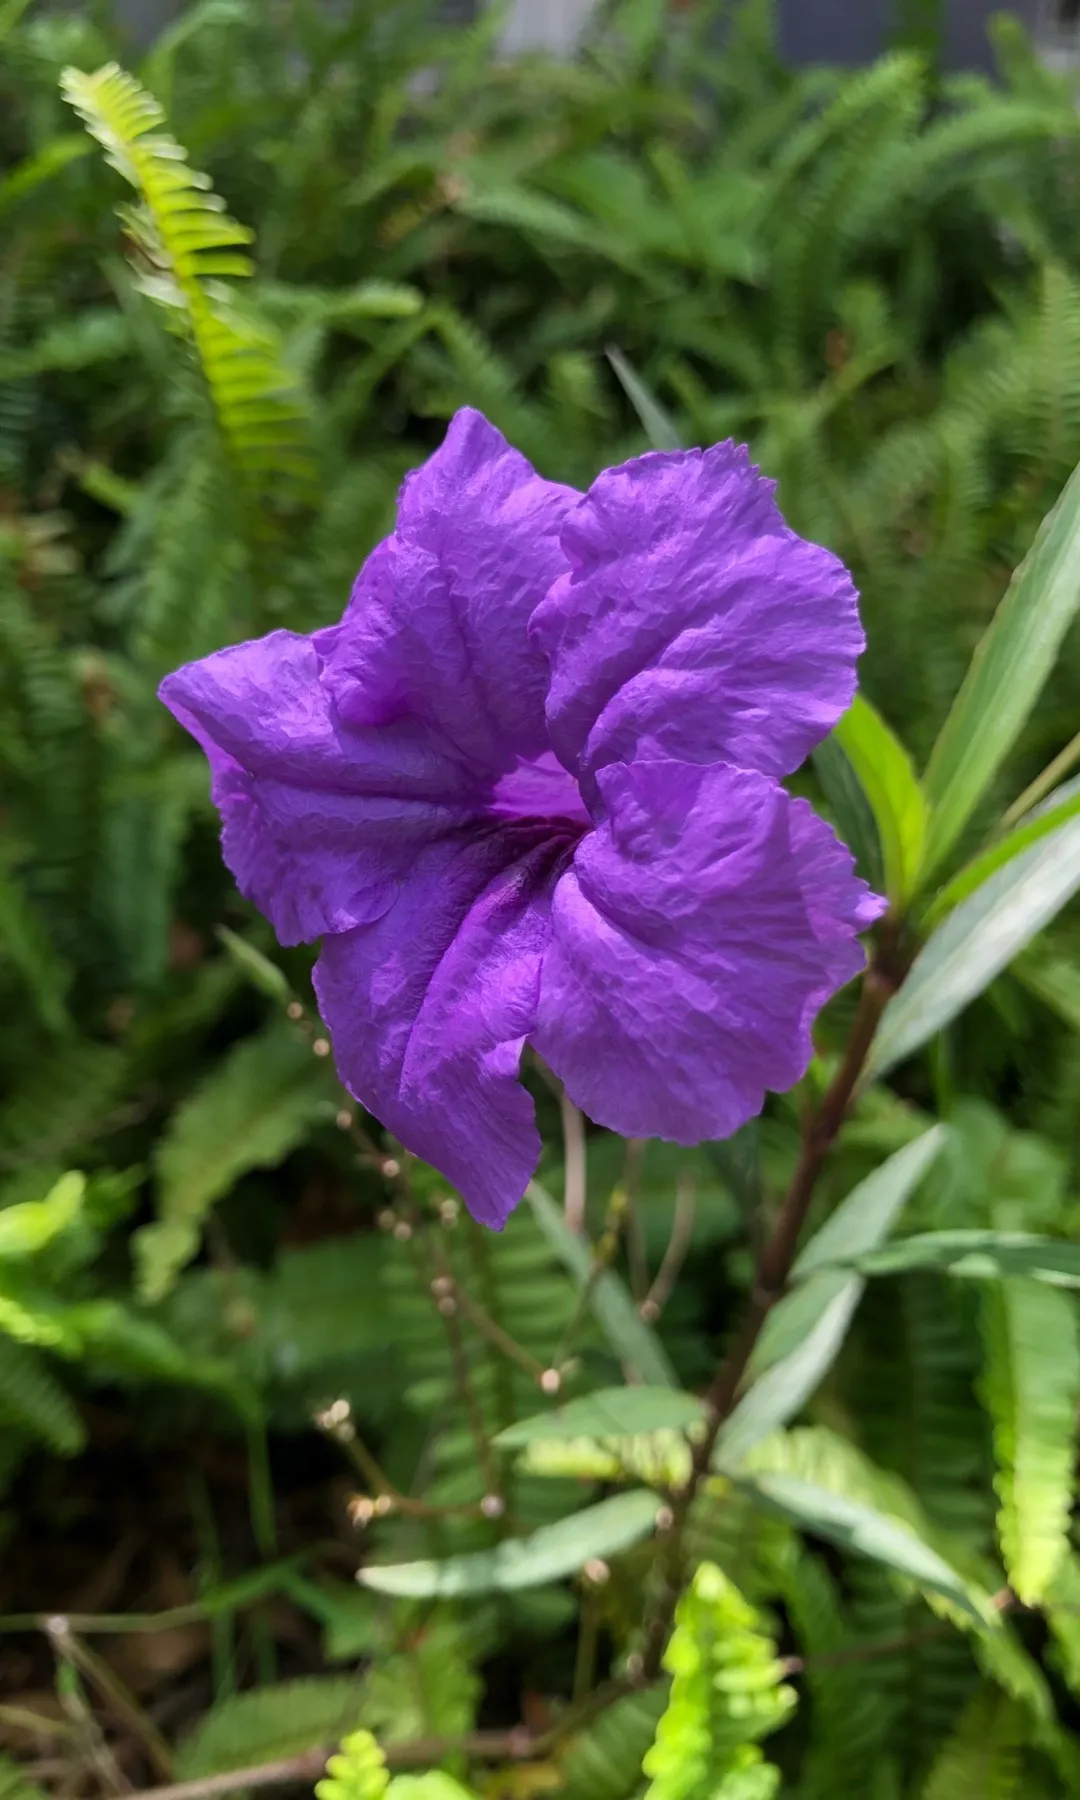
(403, 1231)
(361, 1510)
(391, 1168)
(448, 1212)
(550, 1381)
(650, 1312)
(384, 1504)
(321, 1047)
(294, 1010)
(344, 1119)
(448, 1306)
(493, 1506)
(665, 1518)
(442, 1284)
(596, 1571)
(635, 1666)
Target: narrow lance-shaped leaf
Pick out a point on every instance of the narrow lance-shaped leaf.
(805, 1332)
(1058, 810)
(549, 1554)
(657, 424)
(1031, 1389)
(885, 773)
(979, 1256)
(976, 942)
(607, 1413)
(860, 1529)
(1007, 674)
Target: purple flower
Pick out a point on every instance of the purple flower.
(527, 792)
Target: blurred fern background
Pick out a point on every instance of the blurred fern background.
(237, 1357)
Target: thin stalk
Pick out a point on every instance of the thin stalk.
(819, 1132)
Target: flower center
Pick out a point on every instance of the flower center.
(540, 789)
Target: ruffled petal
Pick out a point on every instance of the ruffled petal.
(693, 623)
(319, 822)
(698, 932)
(437, 627)
(429, 1007)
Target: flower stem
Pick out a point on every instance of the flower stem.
(820, 1129)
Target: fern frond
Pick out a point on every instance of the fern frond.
(726, 1694)
(271, 1723)
(249, 1113)
(32, 1399)
(983, 1759)
(1032, 1391)
(189, 242)
(357, 1772)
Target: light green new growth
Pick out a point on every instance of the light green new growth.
(726, 1694)
(188, 241)
(357, 1772)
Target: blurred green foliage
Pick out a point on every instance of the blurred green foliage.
(873, 278)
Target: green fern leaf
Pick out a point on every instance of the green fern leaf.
(604, 1761)
(32, 1399)
(1032, 1391)
(188, 242)
(271, 1723)
(357, 1771)
(982, 1760)
(726, 1694)
(255, 1108)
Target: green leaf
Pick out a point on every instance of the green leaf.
(979, 1256)
(629, 1336)
(608, 1413)
(784, 1389)
(1006, 676)
(355, 1772)
(727, 1693)
(867, 1215)
(32, 1399)
(249, 1113)
(977, 941)
(260, 971)
(30, 1226)
(189, 242)
(549, 1554)
(852, 813)
(657, 424)
(25, 942)
(1031, 1389)
(886, 775)
(860, 1529)
(272, 1723)
(804, 1333)
(1038, 824)
(30, 174)
(1061, 1605)
(983, 1759)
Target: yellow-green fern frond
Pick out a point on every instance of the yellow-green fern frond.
(187, 241)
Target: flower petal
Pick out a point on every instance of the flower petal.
(319, 822)
(700, 929)
(693, 622)
(437, 627)
(429, 1007)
